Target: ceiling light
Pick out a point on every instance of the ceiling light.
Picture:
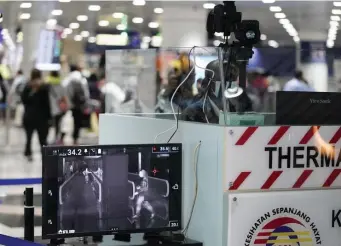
(336, 11)
(280, 15)
(146, 39)
(337, 4)
(67, 31)
(121, 27)
(335, 18)
(103, 23)
(51, 22)
(137, 20)
(74, 25)
(78, 38)
(85, 34)
(330, 43)
(82, 18)
(64, 35)
(64, 1)
(284, 21)
(275, 9)
(216, 43)
(293, 33)
(25, 5)
(209, 5)
(273, 44)
(144, 46)
(332, 37)
(269, 1)
(334, 23)
(263, 37)
(118, 15)
(296, 39)
(25, 16)
(153, 25)
(57, 12)
(288, 26)
(139, 2)
(158, 10)
(331, 34)
(332, 31)
(92, 40)
(94, 8)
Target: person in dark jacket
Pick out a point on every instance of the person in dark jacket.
(37, 115)
(95, 92)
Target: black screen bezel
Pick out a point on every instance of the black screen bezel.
(45, 188)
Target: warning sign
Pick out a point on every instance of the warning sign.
(283, 157)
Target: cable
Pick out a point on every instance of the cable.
(177, 123)
(195, 169)
(206, 69)
(171, 102)
(176, 90)
(177, 119)
(204, 102)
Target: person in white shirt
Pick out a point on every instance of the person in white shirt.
(115, 97)
(16, 89)
(78, 93)
(298, 83)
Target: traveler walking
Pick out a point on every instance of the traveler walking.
(78, 93)
(59, 104)
(37, 115)
(298, 83)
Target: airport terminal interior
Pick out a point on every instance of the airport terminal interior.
(66, 63)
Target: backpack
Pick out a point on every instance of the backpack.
(20, 88)
(78, 97)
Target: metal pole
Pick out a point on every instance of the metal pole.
(223, 84)
(8, 123)
(298, 55)
(29, 215)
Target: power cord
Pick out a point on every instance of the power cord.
(177, 123)
(171, 103)
(177, 119)
(206, 69)
(195, 169)
(210, 80)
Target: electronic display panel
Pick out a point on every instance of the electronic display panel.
(109, 189)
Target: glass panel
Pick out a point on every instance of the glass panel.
(187, 82)
(307, 96)
(152, 82)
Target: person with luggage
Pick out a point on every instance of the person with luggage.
(78, 94)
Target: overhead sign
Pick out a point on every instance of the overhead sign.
(48, 50)
(112, 39)
(313, 52)
(283, 218)
(283, 157)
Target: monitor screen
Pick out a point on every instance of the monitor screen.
(109, 189)
(308, 108)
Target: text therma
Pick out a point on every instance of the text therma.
(302, 157)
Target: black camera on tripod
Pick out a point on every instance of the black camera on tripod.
(224, 18)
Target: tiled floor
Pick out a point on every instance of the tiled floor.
(13, 165)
